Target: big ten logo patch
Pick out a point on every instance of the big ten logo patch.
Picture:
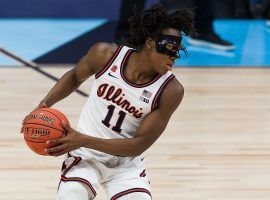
(143, 99)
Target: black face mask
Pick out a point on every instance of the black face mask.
(169, 45)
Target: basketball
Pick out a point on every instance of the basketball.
(42, 125)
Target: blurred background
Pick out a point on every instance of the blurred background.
(50, 32)
(216, 146)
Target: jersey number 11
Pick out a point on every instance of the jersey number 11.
(106, 121)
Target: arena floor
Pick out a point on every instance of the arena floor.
(216, 146)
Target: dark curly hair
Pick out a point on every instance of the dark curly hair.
(152, 21)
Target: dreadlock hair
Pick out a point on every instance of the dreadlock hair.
(151, 22)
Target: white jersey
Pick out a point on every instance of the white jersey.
(116, 107)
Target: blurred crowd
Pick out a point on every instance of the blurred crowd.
(205, 13)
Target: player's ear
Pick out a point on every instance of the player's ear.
(150, 43)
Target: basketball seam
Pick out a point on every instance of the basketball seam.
(46, 126)
(34, 141)
(52, 113)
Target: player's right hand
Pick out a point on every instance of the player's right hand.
(41, 105)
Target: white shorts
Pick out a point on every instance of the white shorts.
(125, 178)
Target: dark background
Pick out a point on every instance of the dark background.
(100, 9)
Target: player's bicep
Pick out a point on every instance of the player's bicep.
(155, 123)
(83, 69)
(151, 128)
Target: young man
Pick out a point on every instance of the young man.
(132, 99)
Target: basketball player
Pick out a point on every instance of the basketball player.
(132, 99)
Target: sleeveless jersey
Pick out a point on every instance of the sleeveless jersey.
(116, 107)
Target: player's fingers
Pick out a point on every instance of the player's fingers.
(42, 105)
(65, 125)
(54, 149)
(57, 153)
(55, 142)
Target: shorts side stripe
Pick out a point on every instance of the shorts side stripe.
(75, 162)
(63, 178)
(130, 191)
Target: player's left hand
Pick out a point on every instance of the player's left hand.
(71, 141)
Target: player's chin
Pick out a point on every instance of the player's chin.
(165, 69)
(169, 67)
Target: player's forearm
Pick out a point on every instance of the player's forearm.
(64, 87)
(118, 146)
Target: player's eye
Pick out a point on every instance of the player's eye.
(173, 47)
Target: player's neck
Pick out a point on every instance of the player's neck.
(138, 69)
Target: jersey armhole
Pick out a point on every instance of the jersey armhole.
(156, 99)
(108, 64)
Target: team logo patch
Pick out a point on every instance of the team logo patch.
(114, 68)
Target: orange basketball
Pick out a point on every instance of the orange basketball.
(42, 125)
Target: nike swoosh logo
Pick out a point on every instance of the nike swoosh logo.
(142, 158)
(112, 75)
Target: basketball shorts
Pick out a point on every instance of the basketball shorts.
(123, 179)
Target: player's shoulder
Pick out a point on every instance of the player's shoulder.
(173, 92)
(102, 49)
(175, 86)
(100, 53)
